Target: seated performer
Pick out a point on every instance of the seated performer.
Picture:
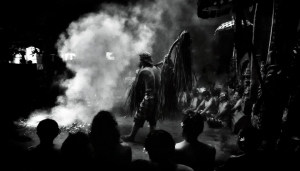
(237, 109)
(194, 102)
(209, 105)
(224, 114)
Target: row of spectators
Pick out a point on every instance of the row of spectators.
(102, 149)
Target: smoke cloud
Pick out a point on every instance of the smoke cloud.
(107, 44)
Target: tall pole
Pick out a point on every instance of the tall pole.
(253, 65)
(235, 61)
(268, 61)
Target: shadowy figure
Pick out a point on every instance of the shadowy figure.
(77, 152)
(46, 155)
(291, 154)
(215, 92)
(161, 147)
(224, 114)
(110, 152)
(190, 151)
(249, 141)
(141, 165)
(237, 111)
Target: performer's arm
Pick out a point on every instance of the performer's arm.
(223, 111)
(210, 102)
(198, 108)
(190, 107)
(237, 105)
(167, 60)
(159, 64)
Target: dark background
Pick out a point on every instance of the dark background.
(41, 21)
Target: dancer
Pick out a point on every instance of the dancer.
(145, 89)
(153, 95)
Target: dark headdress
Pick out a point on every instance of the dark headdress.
(146, 57)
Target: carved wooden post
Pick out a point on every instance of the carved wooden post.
(269, 108)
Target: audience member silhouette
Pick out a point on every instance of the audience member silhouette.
(141, 165)
(249, 141)
(291, 155)
(192, 152)
(77, 152)
(161, 147)
(46, 155)
(110, 152)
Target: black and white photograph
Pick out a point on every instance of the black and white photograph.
(150, 85)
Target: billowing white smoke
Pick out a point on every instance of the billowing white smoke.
(125, 31)
(115, 29)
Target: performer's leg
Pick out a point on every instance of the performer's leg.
(131, 136)
(138, 123)
(152, 123)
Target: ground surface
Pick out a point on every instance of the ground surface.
(222, 139)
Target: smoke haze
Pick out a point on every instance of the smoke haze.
(125, 31)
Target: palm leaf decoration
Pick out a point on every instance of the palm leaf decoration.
(176, 77)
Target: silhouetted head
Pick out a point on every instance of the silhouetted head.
(194, 93)
(223, 95)
(215, 92)
(238, 94)
(141, 165)
(206, 95)
(192, 127)
(160, 146)
(145, 59)
(104, 129)
(249, 139)
(75, 144)
(293, 145)
(77, 151)
(47, 130)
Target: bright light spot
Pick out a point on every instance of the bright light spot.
(17, 59)
(31, 55)
(68, 56)
(109, 56)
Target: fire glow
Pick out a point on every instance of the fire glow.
(95, 41)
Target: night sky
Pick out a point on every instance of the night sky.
(46, 14)
(43, 19)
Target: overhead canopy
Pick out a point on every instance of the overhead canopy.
(213, 8)
(229, 25)
(216, 8)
